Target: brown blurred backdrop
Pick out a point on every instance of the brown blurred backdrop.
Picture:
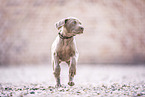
(114, 30)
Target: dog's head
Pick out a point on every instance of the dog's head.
(71, 25)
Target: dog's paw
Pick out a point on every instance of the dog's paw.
(71, 83)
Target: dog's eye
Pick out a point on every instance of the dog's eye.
(74, 22)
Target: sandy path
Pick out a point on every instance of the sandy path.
(90, 81)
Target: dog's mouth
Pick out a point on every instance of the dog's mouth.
(77, 32)
(80, 32)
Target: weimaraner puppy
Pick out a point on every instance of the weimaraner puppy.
(64, 47)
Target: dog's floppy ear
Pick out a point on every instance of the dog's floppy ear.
(61, 23)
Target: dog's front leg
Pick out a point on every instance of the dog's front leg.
(56, 69)
(72, 71)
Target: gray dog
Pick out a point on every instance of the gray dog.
(64, 47)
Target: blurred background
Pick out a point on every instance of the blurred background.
(114, 30)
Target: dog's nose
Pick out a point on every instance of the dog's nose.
(81, 28)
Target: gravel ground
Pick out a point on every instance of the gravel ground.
(90, 81)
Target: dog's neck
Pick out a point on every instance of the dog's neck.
(63, 34)
(64, 37)
(65, 40)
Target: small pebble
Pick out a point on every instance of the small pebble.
(78, 92)
(32, 92)
(50, 89)
(139, 94)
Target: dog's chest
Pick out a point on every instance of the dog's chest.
(65, 51)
